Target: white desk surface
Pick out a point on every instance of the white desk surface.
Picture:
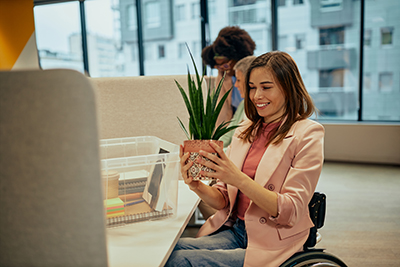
(150, 243)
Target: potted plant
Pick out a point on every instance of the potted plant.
(203, 114)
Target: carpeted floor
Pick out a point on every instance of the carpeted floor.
(362, 225)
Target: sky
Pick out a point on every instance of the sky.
(55, 22)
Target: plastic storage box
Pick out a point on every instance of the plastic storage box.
(140, 179)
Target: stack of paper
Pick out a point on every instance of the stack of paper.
(114, 207)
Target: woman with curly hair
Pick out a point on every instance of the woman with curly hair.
(231, 45)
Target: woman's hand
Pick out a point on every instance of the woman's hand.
(185, 166)
(224, 168)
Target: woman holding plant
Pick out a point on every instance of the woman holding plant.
(265, 179)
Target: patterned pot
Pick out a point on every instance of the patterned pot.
(194, 146)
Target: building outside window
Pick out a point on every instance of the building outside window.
(53, 39)
(283, 42)
(298, 2)
(300, 40)
(281, 3)
(180, 14)
(387, 36)
(161, 51)
(243, 2)
(195, 10)
(152, 14)
(181, 50)
(381, 59)
(333, 79)
(331, 5)
(367, 84)
(386, 81)
(331, 36)
(131, 20)
(367, 37)
(321, 35)
(148, 51)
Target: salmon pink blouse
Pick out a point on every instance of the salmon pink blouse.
(251, 162)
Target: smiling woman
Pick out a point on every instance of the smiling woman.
(264, 180)
(266, 94)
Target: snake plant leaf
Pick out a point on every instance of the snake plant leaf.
(183, 128)
(203, 109)
(223, 129)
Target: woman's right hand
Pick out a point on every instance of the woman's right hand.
(185, 166)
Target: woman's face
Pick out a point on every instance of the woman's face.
(240, 82)
(266, 94)
(225, 64)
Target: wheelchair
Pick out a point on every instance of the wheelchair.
(310, 256)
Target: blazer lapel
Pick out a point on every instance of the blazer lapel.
(271, 159)
(241, 149)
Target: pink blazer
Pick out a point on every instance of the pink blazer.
(291, 169)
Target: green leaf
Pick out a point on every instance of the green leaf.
(183, 128)
(203, 110)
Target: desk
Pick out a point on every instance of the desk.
(150, 243)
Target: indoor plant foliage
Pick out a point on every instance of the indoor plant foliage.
(203, 115)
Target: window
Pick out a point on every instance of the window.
(212, 7)
(181, 50)
(385, 81)
(333, 79)
(104, 38)
(281, 3)
(243, 2)
(161, 51)
(387, 36)
(367, 82)
(381, 100)
(331, 5)
(243, 16)
(300, 40)
(298, 2)
(331, 36)
(195, 10)
(59, 44)
(131, 20)
(153, 15)
(180, 13)
(367, 37)
(327, 53)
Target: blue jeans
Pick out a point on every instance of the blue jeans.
(226, 247)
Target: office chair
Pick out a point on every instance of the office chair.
(51, 203)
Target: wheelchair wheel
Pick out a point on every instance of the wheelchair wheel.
(313, 259)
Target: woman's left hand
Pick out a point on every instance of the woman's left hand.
(224, 168)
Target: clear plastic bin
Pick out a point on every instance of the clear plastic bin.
(140, 179)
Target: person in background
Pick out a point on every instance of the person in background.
(240, 69)
(231, 45)
(265, 179)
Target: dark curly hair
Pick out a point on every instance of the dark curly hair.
(231, 42)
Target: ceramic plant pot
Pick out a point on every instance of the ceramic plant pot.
(193, 147)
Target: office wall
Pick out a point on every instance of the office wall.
(17, 35)
(360, 142)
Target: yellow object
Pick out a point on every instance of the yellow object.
(17, 35)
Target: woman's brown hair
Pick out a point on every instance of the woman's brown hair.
(298, 106)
